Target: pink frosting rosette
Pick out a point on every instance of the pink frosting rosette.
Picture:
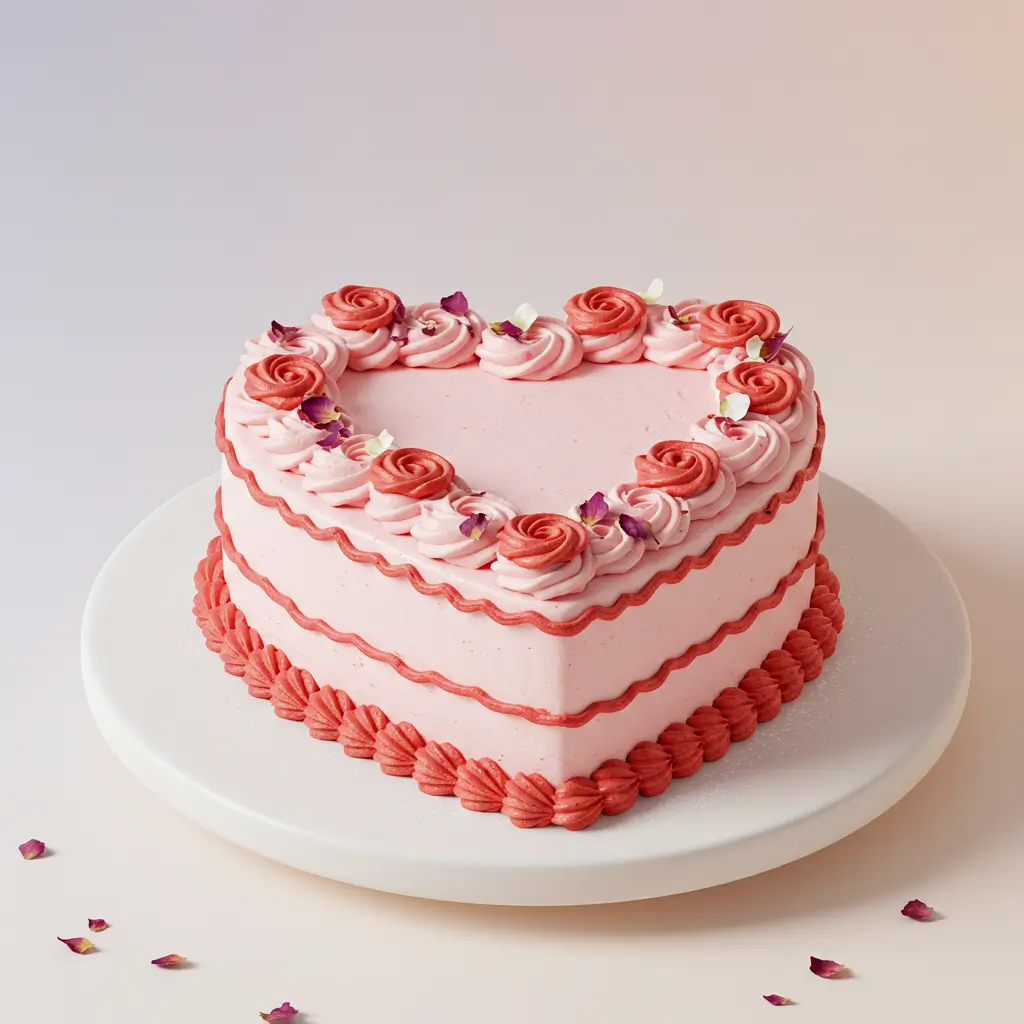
(462, 530)
(733, 323)
(667, 518)
(548, 348)
(800, 420)
(771, 388)
(544, 555)
(291, 440)
(340, 476)
(716, 498)
(755, 449)
(282, 381)
(401, 480)
(306, 340)
(615, 550)
(672, 336)
(442, 334)
(611, 323)
(370, 321)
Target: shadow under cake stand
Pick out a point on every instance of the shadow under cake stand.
(859, 738)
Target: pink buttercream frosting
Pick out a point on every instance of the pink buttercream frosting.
(756, 449)
(716, 498)
(673, 340)
(291, 440)
(367, 350)
(440, 339)
(395, 512)
(340, 476)
(668, 518)
(305, 340)
(549, 348)
(438, 530)
(548, 583)
(800, 420)
(788, 356)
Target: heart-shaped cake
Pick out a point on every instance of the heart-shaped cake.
(544, 564)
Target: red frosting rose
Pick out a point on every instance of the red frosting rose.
(605, 311)
(358, 308)
(679, 468)
(541, 539)
(283, 381)
(735, 321)
(412, 472)
(771, 387)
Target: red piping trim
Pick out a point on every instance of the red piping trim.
(572, 626)
(538, 716)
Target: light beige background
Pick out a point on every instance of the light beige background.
(176, 174)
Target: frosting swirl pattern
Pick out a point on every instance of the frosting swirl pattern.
(672, 336)
(544, 555)
(734, 322)
(340, 476)
(611, 323)
(771, 388)
(799, 421)
(356, 307)
(440, 339)
(547, 349)
(716, 498)
(306, 340)
(412, 473)
(283, 381)
(755, 449)
(668, 518)
(680, 468)
(439, 529)
(291, 441)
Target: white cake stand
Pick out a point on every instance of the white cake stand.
(857, 740)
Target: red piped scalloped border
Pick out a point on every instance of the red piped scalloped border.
(529, 801)
(446, 590)
(538, 716)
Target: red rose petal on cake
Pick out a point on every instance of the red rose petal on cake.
(819, 625)
(283, 1012)
(802, 646)
(739, 711)
(32, 850)
(481, 785)
(684, 747)
(578, 804)
(777, 1000)
(787, 673)
(358, 730)
(324, 712)
(437, 767)
(77, 945)
(916, 910)
(712, 728)
(653, 766)
(764, 692)
(394, 748)
(170, 960)
(827, 968)
(97, 924)
(619, 786)
(529, 801)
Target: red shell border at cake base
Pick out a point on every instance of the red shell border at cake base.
(529, 801)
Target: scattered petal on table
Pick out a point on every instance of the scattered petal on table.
(777, 1000)
(283, 1012)
(78, 945)
(97, 924)
(917, 911)
(170, 960)
(826, 968)
(32, 849)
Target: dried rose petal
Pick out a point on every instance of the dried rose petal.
(32, 849)
(635, 527)
(917, 911)
(771, 347)
(170, 960)
(97, 924)
(523, 317)
(826, 968)
(398, 317)
(777, 1000)
(509, 328)
(473, 526)
(428, 327)
(379, 444)
(78, 945)
(594, 509)
(457, 304)
(319, 410)
(734, 406)
(654, 291)
(336, 433)
(283, 1012)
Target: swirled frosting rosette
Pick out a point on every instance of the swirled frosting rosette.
(717, 498)
(667, 518)
(291, 440)
(755, 449)
(787, 356)
(734, 322)
(672, 336)
(462, 531)
(771, 388)
(548, 348)
(306, 340)
(401, 480)
(611, 323)
(679, 468)
(442, 334)
(545, 555)
(370, 321)
(615, 550)
(799, 421)
(340, 476)
(282, 381)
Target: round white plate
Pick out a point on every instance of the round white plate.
(856, 741)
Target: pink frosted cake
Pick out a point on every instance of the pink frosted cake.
(542, 565)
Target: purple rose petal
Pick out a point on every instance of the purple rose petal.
(428, 327)
(509, 328)
(473, 526)
(279, 333)
(770, 349)
(336, 433)
(639, 529)
(456, 304)
(594, 509)
(319, 410)
(724, 425)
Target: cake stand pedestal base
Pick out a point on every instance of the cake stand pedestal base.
(858, 739)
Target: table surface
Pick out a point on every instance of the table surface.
(176, 175)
